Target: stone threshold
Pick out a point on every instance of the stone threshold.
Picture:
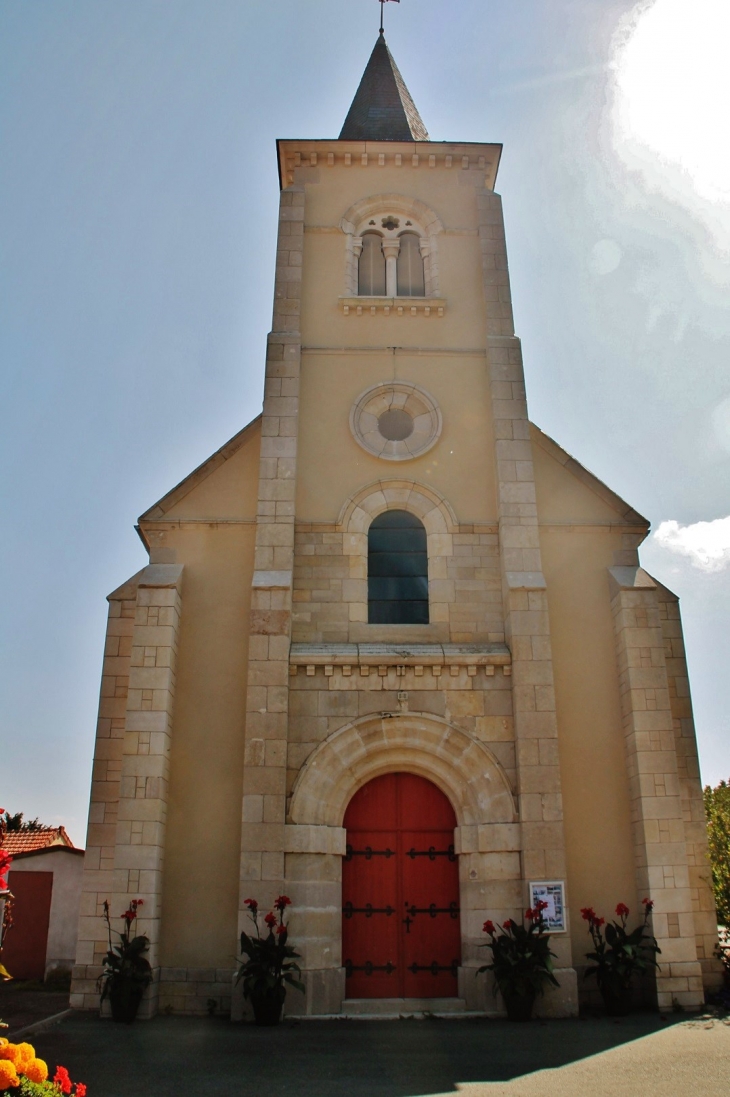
(394, 1009)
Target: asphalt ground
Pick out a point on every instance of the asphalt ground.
(23, 1004)
(198, 1057)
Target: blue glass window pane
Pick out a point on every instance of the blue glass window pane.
(397, 570)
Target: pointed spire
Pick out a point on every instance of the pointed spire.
(382, 109)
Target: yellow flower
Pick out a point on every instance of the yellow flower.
(8, 1075)
(36, 1070)
(27, 1055)
(17, 1054)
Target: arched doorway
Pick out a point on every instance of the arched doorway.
(400, 891)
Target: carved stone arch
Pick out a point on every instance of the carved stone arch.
(424, 221)
(462, 767)
(429, 505)
(413, 208)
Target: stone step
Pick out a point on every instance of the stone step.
(396, 1007)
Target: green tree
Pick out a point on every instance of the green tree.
(717, 810)
(16, 823)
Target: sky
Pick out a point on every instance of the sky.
(138, 209)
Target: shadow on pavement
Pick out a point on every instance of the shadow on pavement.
(200, 1057)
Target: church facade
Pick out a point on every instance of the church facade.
(394, 654)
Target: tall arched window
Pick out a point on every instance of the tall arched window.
(411, 279)
(371, 268)
(397, 570)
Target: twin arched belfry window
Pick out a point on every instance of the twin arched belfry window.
(391, 267)
(397, 570)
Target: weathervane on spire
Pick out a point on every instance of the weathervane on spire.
(382, 9)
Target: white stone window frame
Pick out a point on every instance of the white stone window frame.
(440, 523)
(424, 223)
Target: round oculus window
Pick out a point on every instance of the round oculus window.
(396, 420)
(395, 425)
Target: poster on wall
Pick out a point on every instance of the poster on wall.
(551, 892)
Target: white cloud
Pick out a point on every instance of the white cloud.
(705, 544)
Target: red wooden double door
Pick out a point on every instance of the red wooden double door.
(400, 891)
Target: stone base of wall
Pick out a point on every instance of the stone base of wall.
(85, 993)
(196, 991)
(560, 1001)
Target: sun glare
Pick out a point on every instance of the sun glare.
(673, 92)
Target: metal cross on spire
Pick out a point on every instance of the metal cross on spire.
(382, 9)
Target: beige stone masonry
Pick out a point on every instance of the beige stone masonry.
(527, 626)
(98, 878)
(688, 771)
(657, 818)
(264, 782)
(330, 578)
(487, 836)
(140, 834)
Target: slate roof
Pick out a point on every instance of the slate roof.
(23, 841)
(382, 109)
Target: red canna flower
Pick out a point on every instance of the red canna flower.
(530, 914)
(588, 914)
(281, 930)
(252, 905)
(622, 910)
(80, 1090)
(507, 924)
(648, 903)
(540, 905)
(598, 922)
(282, 902)
(489, 927)
(270, 920)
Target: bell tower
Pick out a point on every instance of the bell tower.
(395, 395)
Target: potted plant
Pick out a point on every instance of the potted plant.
(270, 963)
(127, 972)
(522, 962)
(620, 956)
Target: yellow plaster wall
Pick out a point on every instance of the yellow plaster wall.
(230, 491)
(459, 261)
(591, 742)
(332, 466)
(200, 891)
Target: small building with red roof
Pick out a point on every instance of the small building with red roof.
(45, 883)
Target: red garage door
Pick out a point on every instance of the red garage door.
(400, 891)
(24, 954)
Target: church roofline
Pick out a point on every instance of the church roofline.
(591, 481)
(296, 153)
(202, 472)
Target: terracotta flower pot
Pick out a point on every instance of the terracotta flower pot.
(519, 1006)
(267, 1007)
(125, 997)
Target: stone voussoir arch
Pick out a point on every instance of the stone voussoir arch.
(396, 203)
(430, 506)
(460, 765)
